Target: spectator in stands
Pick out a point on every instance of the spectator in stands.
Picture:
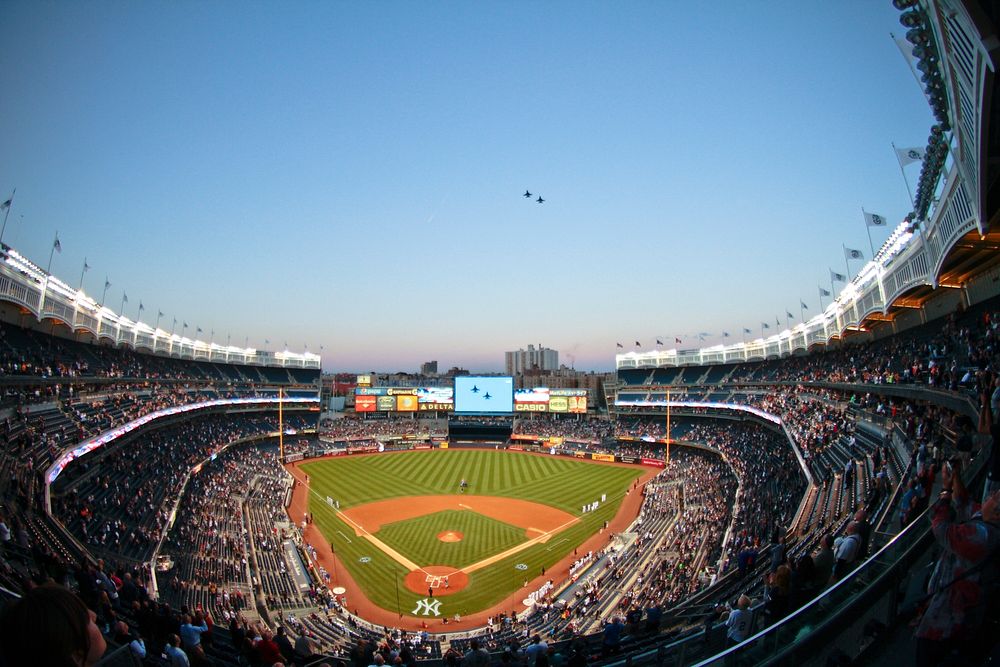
(612, 636)
(304, 648)
(176, 655)
(265, 648)
(965, 579)
(864, 532)
(823, 560)
(191, 637)
(846, 551)
(50, 625)
(284, 644)
(135, 642)
(738, 624)
(476, 656)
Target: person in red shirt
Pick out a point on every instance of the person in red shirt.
(268, 651)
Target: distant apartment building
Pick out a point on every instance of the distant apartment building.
(522, 361)
(429, 368)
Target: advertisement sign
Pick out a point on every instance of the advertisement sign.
(558, 404)
(386, 403)
(535, 395)
(654, 462)
(436, 395)
(430, 407)
(530, 407)
(369, 391)
(578, 404)
(365, 403)
(603, 457)
(406, 402)
(364, 381)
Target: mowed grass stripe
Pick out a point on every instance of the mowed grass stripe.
(564, 483)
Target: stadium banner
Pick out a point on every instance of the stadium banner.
(628, 459)
(386, 403)
(422, 446)
(568, 392)
(578, 404)
(516, 448)
(662, 403)
(558, 404)
(602, 457)
(538, 395)
(443, 444)
(556, 440)
(296, 568)
(406, 402)
(364, 381)
(531, 407)
(437, 407)
(525, 436)
(364, 449)
(401, 391)
(371, 391)
(436, 396)
(365, 403)
(292, 458)
(106, 437)
(580, 455)
(656, 463)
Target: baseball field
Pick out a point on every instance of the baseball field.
(418, 543)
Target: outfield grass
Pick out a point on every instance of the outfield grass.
(563, 483)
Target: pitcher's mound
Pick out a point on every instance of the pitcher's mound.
(450, 536)
(442, 579)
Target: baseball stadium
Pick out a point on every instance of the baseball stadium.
(826, 494)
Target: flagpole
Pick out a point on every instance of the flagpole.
(868, 229)
(52, 252)
(4, 228)
(847, 264)
(802, 311)
(668, 426)
(821, 309)
(107, 284)
(82, 274)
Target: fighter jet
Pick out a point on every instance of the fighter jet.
(527, 194)
(475, 389)
(539, 200)
(487, 396)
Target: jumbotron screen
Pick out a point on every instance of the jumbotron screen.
(484, 395)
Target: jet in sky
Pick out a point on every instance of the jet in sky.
(540, 200)
(527, 194)
(487, 396)
(475, 389)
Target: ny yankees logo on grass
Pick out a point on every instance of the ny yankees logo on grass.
(429, 606)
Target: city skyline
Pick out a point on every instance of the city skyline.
(350, 177)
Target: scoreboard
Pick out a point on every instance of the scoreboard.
(442, 399)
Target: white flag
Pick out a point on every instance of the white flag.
(851, 253)
(910, 155)
(874, 219)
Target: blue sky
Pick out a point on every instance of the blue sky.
(349, 174)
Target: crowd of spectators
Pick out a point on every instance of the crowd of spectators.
(592, 429)
(118, 501)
